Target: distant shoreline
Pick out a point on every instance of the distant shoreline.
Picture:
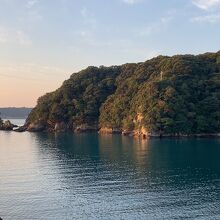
(15, 113)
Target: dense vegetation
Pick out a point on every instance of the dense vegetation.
(78, 100)
(171, 95)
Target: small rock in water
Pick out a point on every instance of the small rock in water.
(7, 126)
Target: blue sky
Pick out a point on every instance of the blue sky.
(43, 41)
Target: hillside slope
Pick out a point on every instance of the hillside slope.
(177, 95)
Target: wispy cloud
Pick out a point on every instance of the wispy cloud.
(8, 35)
(213, 18)
(88, 17)
(22, 38)
(83, 35)
(206, 4)
(84, 12)
(33, 13)
(31, 3)
(156, 26)
(34, 16)
(3, 35)
(23, 70)
(86, 33)
(131, 2)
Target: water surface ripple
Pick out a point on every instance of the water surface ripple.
(87, 176)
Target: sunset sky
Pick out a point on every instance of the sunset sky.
(42, 42)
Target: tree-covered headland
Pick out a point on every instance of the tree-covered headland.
(178, 95)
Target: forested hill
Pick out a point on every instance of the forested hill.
(13, 112)
(164, 95)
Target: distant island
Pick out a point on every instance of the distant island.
(164, 96)
(13, 112)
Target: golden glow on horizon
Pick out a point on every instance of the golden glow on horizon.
(21, 86)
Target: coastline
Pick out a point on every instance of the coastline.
(85, 128)
(132, 134)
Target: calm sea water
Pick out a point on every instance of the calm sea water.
(87, 176)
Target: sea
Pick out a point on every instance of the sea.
(47, 176)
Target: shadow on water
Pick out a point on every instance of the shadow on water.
(197, 157)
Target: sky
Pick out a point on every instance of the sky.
(42, 42)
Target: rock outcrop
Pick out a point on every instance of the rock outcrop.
(21, 129)
(60, 127)
(7, 126)
(35, 127)
(85, 128)
(106, 130)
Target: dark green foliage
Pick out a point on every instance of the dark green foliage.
(175, 95)
(78, 100)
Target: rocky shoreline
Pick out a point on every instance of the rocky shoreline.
(85, 128)
(142, 133)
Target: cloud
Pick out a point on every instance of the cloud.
(22, 38)
(88, 17)
(213, 18)
(8, 35)
(33, 14)
(131, 2)
(87, 37)
(206, 4)
(84, 12)
(22, 71)
(156, 26)
(83, 35)
(3, 35)
(31, 3)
